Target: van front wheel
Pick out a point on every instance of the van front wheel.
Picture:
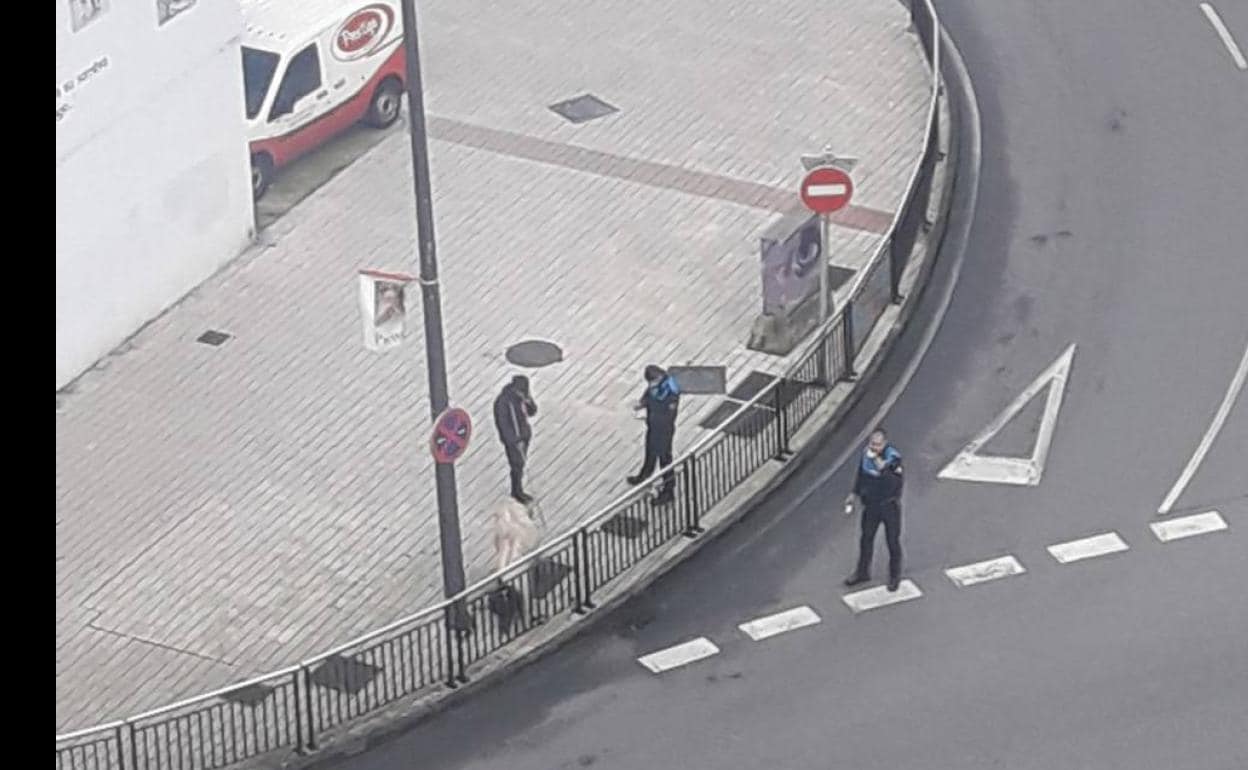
(261, 174)
(385, 107)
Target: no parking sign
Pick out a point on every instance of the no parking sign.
(451, 433)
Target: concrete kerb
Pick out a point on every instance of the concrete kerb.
(400, 717)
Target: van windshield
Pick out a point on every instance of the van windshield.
(258, 69)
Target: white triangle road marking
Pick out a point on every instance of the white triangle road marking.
(970, 465)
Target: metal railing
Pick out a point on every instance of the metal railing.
(437, 648)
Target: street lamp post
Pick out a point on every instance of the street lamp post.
(431, 302)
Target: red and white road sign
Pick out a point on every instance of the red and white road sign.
(827, 189)
(451, 433)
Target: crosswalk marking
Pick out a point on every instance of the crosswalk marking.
(1187, 526)
(880, 596)
(772, 625)
(963, 576)
(1088, 547)
(680, 655)
(982, 572)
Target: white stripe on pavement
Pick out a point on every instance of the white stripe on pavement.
(1088, 547)
(789, 620)
(1187, 526)
(1219, 418)
(983, 571)
(1224, 33)
(824, 190)
(880, 596)
(680, 655)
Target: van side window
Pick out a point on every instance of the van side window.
(302, 77)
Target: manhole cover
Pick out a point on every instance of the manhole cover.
(628, 527)
(838, 277)
(545, 575)
(700, 380)
(213, 337)
(749, 423)
(507, 604)
(534, 353)
(583, 108)
(251, 695)
(752, 385)
(344, 674)
(757, 417)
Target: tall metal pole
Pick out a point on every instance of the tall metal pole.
(435, 354)
(824, 264)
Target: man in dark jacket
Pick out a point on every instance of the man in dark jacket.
(661, 400)
(512, 410)
(878, 486)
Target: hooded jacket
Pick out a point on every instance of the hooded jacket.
(511, 416)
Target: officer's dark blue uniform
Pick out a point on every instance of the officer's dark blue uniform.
(661, 400)
(879, 485)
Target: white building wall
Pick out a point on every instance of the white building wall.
(153, 189)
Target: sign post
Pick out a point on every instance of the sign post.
(431, 301)
(826, 189)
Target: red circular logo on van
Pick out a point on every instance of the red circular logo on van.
(363, 32)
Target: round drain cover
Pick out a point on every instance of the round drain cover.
(534, 353)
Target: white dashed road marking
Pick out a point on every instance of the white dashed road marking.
(962, 576)
(680, 655)
(982, 572)
(880, 596)
(1199, 524)
(1088, 547)
(789, 620)
(1227, 40)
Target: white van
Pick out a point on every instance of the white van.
(312, 69)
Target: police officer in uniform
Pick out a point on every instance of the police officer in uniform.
(661, 401)
(878, 487)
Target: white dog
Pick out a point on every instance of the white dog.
(515, 531)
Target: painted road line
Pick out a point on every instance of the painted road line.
(1212, 14)
(1088, 547)
(772, 625)
(880, 596)
(1187, 526)
(982, 572)
(680, 655)
(970, 465)
(1224, 409)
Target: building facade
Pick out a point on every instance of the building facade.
(153, 183)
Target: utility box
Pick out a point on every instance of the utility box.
(791, 251)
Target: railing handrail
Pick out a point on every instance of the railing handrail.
(214, 694)
(106, 727)
(620, 502)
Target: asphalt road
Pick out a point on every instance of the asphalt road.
(1110, 215)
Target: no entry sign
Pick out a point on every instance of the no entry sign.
(451, 433)
(826, 190)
